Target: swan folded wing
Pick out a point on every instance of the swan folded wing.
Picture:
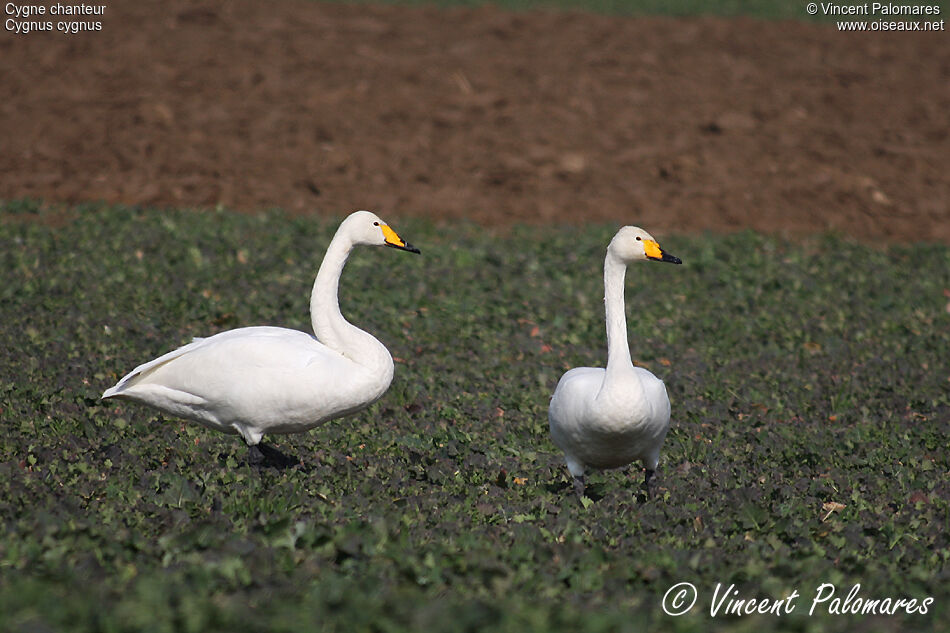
(571, 404)
(576, 391)
(655, 396)
(139, 373)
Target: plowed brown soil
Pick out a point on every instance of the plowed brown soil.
(675, 124)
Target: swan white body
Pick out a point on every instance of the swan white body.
(609, 417)
(256, 380)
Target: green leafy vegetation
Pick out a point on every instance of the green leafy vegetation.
(811, 409)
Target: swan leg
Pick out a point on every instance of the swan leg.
(648, 486)
(255, 456)
(576, 468)
(579, 485)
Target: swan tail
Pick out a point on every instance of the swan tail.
(139, 373)
(111, 392)
(130, 380)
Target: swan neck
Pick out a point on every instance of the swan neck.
(329, 326)
(618, 351)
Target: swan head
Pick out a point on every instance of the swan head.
(633, 244)
(366, 228)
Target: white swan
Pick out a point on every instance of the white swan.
(607, 418)
(256, 380)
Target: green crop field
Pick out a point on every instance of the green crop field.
(811, 409)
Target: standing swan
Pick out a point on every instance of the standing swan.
(607, 418)
(258, 380)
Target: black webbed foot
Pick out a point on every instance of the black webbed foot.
(263, 456)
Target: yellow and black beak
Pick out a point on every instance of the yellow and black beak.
(654, 252)
(395, 241)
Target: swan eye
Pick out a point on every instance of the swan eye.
(638, 238)
(377, 224)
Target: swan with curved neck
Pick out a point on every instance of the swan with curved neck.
(607, 418)
(256, 380)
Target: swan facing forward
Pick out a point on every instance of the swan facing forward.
(256, 380)
(607, 418)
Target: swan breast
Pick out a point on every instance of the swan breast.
(609, 423)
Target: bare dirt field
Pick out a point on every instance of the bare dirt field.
(676, 124)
